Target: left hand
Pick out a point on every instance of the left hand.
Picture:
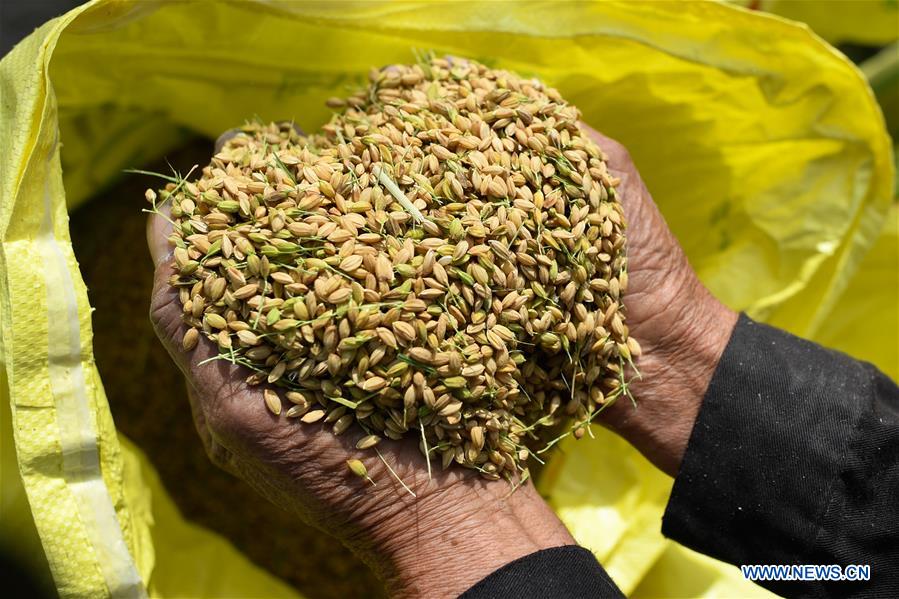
(457, 530)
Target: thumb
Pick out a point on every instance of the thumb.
(165, 306)
(166, 310)
(158, 231)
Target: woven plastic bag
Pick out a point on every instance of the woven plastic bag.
(762, 145)
(869, 22)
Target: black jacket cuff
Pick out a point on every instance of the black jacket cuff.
(568, 572)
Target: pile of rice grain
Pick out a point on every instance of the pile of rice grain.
(444, 260)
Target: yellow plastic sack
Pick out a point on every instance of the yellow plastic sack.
(868, 22)
(762, 145)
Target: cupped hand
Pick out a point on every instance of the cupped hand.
(680, 326)
(454, 531)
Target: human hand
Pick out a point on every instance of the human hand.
(681, 327)
(457, 529)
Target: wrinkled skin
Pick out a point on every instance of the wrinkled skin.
(681, 327)
(416, 544)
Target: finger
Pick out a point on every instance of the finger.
(166, 314)
(652, 246)
(225, 138)
(165, 306)
(633, 191)
(619, 159)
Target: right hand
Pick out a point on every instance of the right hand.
(680, 326)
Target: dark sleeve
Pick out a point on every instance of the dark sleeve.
(568, 572)
(794, 459)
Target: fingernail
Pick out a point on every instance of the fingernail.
(223, 139)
